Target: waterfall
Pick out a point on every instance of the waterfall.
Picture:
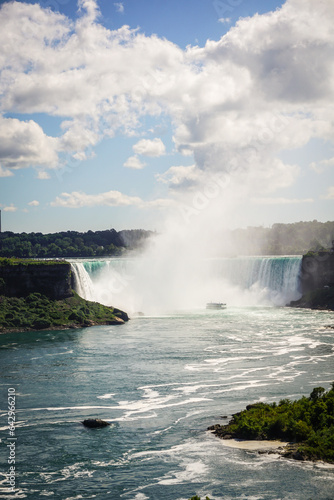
(143, 284)
(83, 284)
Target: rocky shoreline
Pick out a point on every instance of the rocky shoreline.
(301, 430)
(261, 446)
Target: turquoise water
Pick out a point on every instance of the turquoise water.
(153, 286)
(161, 381)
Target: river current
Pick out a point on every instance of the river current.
(161, 381)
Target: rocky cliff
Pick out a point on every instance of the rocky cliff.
(316, 281)
(20, 278)
(317, 271)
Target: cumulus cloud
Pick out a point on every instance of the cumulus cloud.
(119, 7)
(41, 174)
(322, 165)
(180, 176)
(281, 201)
(149, 147)
(265, 86)
(79, 199)
(330, 194)
(134, 162)
(111, 199)
(23, 143)
(10, 208)
(33, 203)
(5, 172)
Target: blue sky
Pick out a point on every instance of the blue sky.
(128, 114)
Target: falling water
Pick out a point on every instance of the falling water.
(135, 284)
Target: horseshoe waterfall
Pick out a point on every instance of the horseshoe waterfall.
(139, 284)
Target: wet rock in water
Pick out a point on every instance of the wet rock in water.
(94, 423)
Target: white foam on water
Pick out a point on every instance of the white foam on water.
(72, 471)
(150, 393)
(192, 472)
(106, 396)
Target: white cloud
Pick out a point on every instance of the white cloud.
(265, 86)
(5, 172)
(321, 166)
(224, 20)
(149, 147)
(110, 199)
(33, 203)
(134, 162)
(41, 174)
(119, 7)
(180, 176)
(79, 199)
(24, 144)
(281, 201)
(330, 194)
(10, 208)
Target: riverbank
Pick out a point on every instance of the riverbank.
(307, 425)
(38, 312)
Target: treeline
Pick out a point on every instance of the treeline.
(71, 243)
(283, 239)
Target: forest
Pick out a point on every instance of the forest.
(71, 243)
(281, 239)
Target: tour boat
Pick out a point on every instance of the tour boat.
(215, 305)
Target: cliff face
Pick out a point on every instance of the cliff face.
(50, 279)
(317, 271)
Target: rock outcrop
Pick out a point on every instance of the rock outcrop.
(19, 278)
(316, 281)
(317, 271)
(95, 423)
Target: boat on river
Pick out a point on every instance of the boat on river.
(215, 305)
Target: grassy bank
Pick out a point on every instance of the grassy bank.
(38, 312)
(308, 422)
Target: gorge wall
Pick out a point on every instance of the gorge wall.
(19, 278)
(317, 271)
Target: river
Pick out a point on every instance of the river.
(161, 381)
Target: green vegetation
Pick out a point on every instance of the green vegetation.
(284, 239)
(280, 239)
(308, 422)
(13, 261)
(70, 243)
(37, 312)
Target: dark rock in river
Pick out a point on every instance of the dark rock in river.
(94, 423)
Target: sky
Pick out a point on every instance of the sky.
(129, 114)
